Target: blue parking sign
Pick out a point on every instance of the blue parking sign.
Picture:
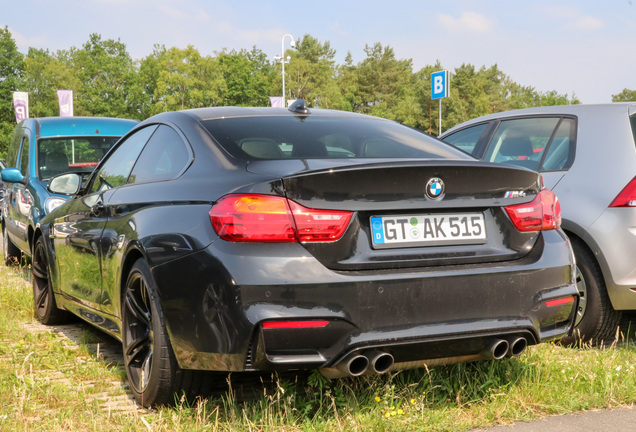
(439, 85)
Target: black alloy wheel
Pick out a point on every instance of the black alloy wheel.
(45, 307)
(153, 373)
(148, 358)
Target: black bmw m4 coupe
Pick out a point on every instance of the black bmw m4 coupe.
(255, 239)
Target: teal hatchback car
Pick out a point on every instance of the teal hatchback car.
(40, 149)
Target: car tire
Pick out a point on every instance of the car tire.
(12, 254)
(596, 321)
(44, 304)
(153, 373)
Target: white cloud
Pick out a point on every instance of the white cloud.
(171, 12)
(202, 15)
(23, 42)
(589, 23)
(468, 21)
(572, 16)
(560, 11)
(337, 29)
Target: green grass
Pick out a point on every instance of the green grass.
(53, 383)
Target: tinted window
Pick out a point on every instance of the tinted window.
(116, 169)
(163, 158)
(560, 153)
(466, 139)
(521, 141)
(24, 156)
(78, 154)
(283, 137)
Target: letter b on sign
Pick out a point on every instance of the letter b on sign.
(439, 85)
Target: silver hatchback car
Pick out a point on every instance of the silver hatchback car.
(587, 156)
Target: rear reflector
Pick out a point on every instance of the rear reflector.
(294, 324)
(561, 301)
(626, 197)
(540, 214)
(268, 218)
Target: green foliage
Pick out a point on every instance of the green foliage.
(382, 81)
(311, 74)
(107, 82)
(626, 95)
(12, 71)
(105, 71)
(247, 75)
(180, 79)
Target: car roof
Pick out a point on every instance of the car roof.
(211, 113)
(579, 109)
(82, 126)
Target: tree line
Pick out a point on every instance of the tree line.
(107, 82)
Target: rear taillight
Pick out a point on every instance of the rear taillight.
(626, 197)
(540, 214)
(266, 218)
(315, 225)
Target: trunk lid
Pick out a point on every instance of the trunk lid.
(389, 198)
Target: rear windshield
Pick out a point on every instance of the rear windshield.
(632, 120)
(289, 137)
(76, 154)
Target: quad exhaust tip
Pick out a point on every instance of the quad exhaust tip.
(354, 365)
(496, 349)
(517, 346)
(369, 362)
(500, 348)
(379, 362)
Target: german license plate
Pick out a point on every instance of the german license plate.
(428, 230)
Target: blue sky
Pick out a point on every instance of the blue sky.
(586, 48)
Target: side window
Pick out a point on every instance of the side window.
(521, 141)
(466, 139)
(560, 154)
(163, 158)
(14, 148)
(116, 169)
(24, 156)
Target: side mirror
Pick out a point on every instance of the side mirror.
(12, 175)
(65, 184)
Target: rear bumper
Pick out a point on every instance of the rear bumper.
(216, 301)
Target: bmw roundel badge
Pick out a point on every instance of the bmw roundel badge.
(435, 188)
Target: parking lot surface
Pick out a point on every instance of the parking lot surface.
(615, 420)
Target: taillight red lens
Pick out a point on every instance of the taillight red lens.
(315, 225)
(253, 218)
(266, 218)
(540, 214)
(626, 197)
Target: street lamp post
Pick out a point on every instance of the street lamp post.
(282, 59)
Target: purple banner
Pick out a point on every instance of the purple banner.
(65, 98)
(276, 101)
(21, 105)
